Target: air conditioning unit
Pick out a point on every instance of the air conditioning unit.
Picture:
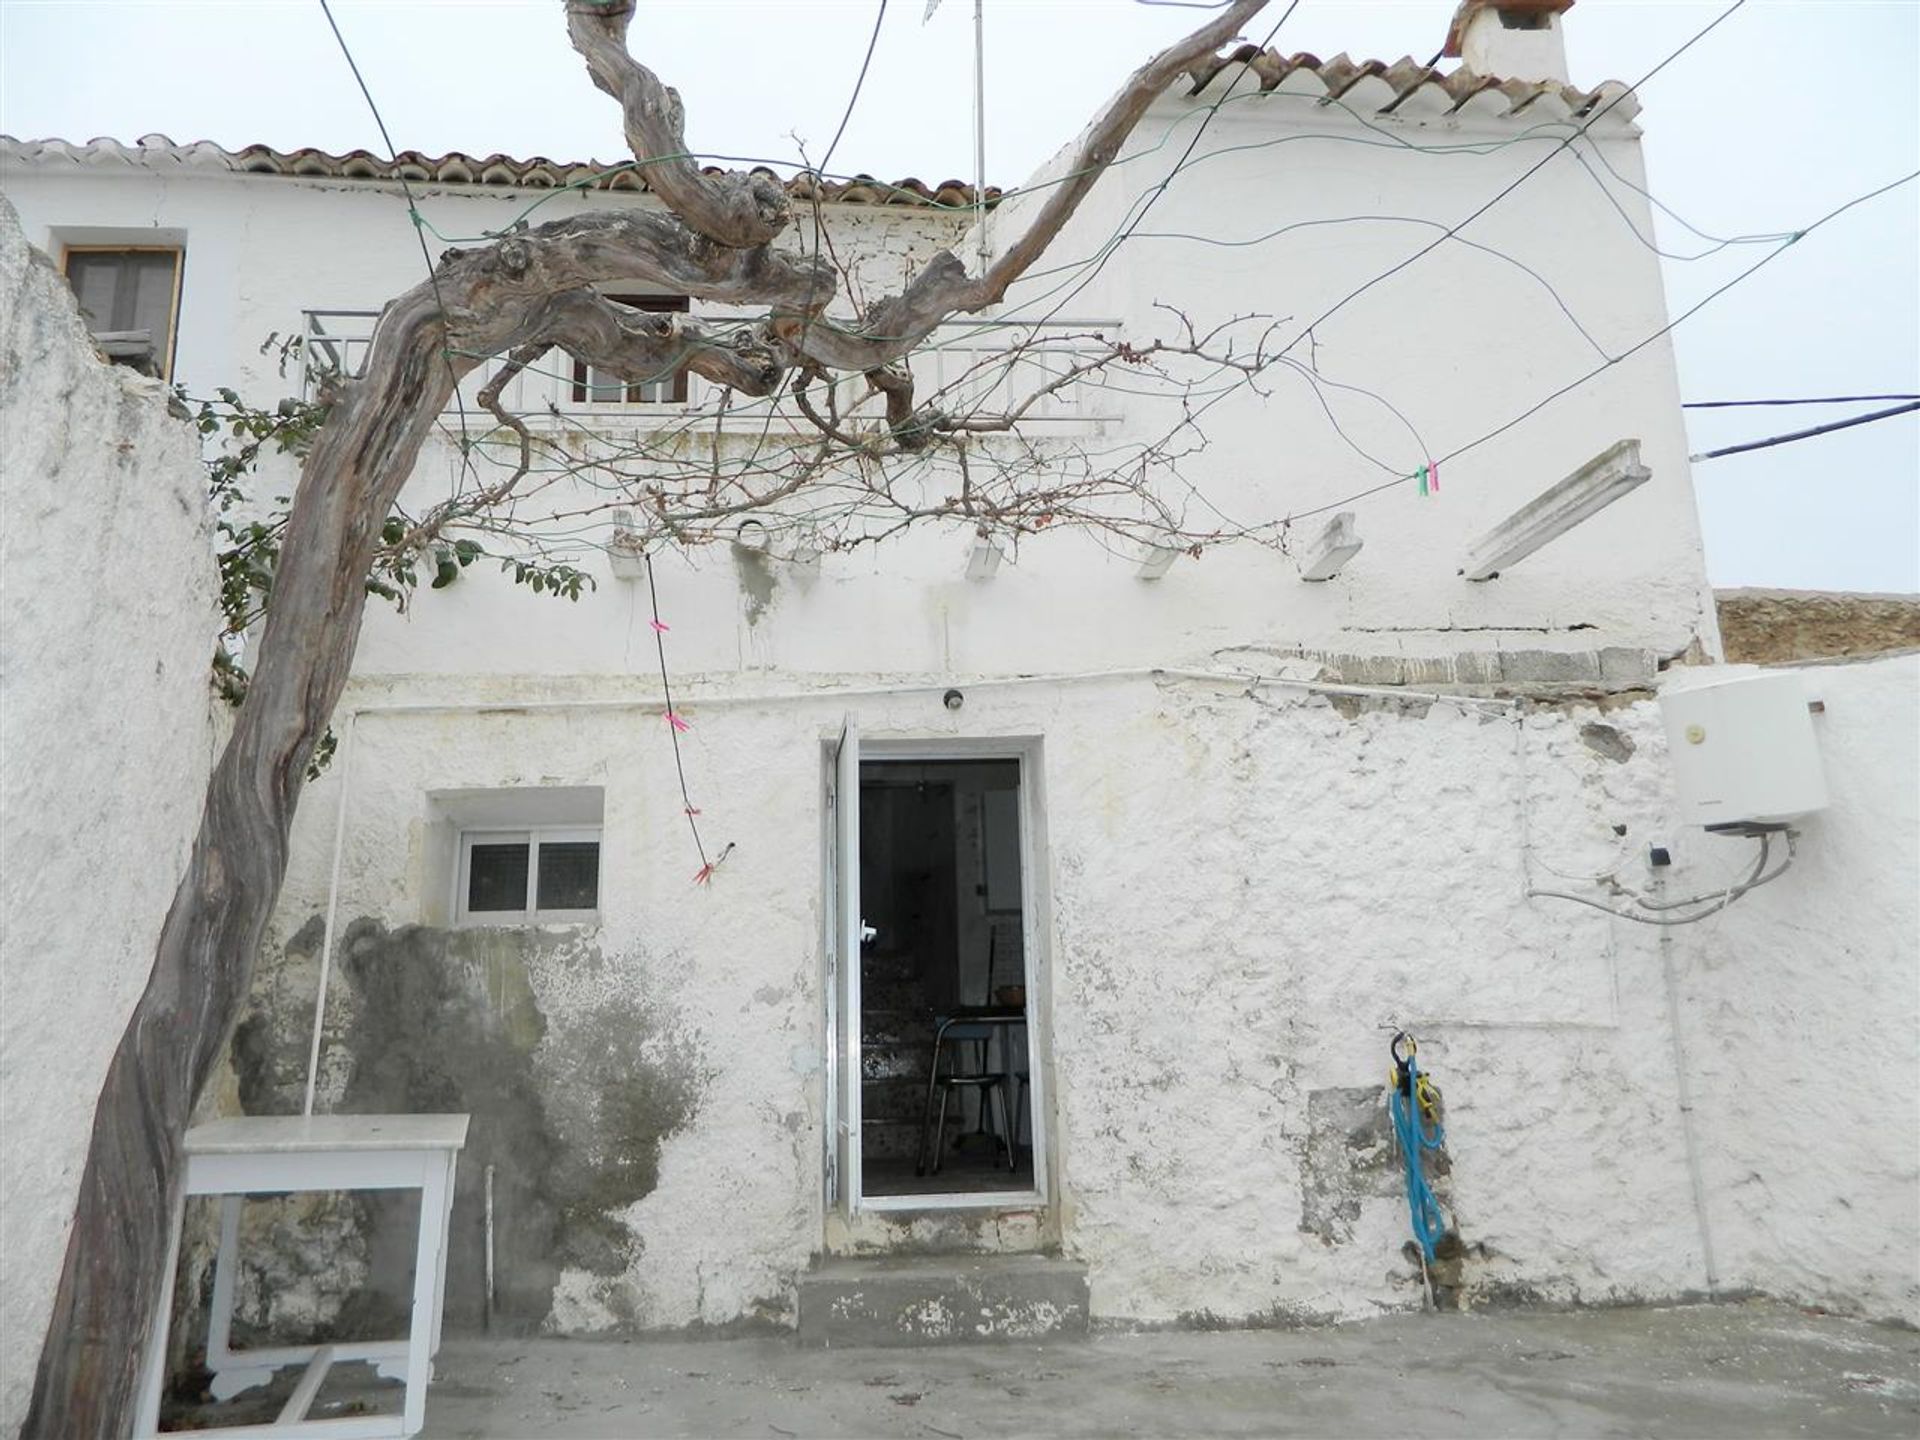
(1741, 740)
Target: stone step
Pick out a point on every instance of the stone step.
(942, 1300)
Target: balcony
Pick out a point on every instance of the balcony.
(970, 366)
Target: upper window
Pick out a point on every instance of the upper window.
(130, 297)
(594, 386)
(519, 877)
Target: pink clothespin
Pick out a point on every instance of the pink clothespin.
(677, 723)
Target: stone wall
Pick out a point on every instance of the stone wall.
(1766, 627)
(107, 583)
(1244, 892)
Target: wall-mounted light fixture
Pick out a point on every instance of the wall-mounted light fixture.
(1331, 549)
(953, 699)
(984, 559)
(1612, 473)
(626, 555)
(1156, 560)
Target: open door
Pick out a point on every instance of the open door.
(843, 963)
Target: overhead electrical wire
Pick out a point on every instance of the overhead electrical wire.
(1808, 434)
(1426, 470)
(846, 117)
(1608, 364)
(1566, 142)
(859, 83)
(1695, 308)
(433, 276)
(1513, 185)
(1798, 400)
(1097, 260)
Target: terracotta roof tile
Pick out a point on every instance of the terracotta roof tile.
(537, 172)
(1375, 85)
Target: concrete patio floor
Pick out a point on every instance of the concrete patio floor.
(1754, 1369)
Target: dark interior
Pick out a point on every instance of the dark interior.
(940, 888)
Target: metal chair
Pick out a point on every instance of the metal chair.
(990, 1086)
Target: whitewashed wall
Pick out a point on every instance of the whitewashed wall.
(106, 581)
(1807, 1000)
(1460, 343)
(1245, 892)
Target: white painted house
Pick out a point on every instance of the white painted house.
(1211, 830)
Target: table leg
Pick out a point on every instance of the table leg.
(232, 1371)
(153, 1367)
(921, 1158)
(435, 1194)
(446, 1244)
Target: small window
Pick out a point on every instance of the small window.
(522, 877)
(131, 300)
(594, 386)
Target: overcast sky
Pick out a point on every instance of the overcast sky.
(1785, 111)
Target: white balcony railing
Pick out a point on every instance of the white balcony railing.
(333, 344)
(966, 367)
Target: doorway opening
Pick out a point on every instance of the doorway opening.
(946, 1094)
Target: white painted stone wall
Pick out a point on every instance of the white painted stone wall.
(107, 588)
(1807, 1002)
(1246, 893)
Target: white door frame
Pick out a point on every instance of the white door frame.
(1036, 929)
(841, 861)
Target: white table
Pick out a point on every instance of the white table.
(273, 1154)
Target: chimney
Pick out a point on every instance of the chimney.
(1510, 39)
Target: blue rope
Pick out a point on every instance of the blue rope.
(1428, 1223)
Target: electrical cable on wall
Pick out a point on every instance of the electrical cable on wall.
(676, 726)
(1716, 901)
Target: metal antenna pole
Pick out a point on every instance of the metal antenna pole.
(980, 129)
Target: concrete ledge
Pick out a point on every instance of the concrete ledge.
(942, 1300)
(1535, 670)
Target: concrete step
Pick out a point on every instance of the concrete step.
(942, 1300)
